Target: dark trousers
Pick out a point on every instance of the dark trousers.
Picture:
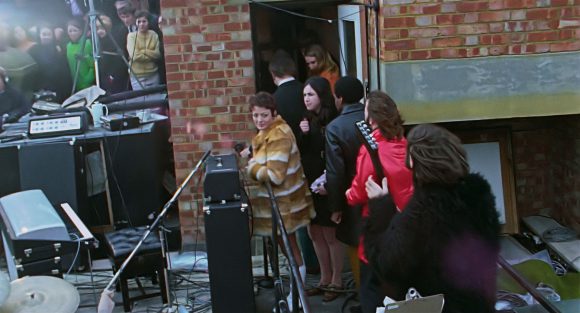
(370, 294)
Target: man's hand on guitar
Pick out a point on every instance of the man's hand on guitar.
(374, 190)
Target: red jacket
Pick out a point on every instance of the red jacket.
(399, 177)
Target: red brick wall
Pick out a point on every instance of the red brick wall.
(209, 60)
(434, 29)
(547, 168)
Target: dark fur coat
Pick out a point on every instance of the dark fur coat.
(445, 241)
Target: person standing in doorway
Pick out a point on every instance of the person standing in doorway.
(320, 63)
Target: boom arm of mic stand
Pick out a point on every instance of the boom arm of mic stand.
(524, 283)
(159, 217)
(293, 264)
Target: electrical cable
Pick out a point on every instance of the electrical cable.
(78, 239)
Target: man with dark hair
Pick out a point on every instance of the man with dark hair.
(288, 95)
(290, 105)
(342, 145)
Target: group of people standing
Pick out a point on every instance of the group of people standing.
(421, 226)
(58, 56)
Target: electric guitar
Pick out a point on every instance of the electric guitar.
(365, 133)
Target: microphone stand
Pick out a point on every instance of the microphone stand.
(295, 277)
(162, 239)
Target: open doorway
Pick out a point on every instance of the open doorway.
(293, 25)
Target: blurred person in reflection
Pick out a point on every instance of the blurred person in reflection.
(79, 52)
(54, 72)
(446, 241)
(320, 63)
(143, 49)
(386, 123)
(13, 104)
(276, 160)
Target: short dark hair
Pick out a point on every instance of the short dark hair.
(437, 154)
(350, 89)
(282, 65)
(141, 13)
(126, 10)
(263, 100)
(383, 110)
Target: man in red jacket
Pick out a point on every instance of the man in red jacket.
(384, 119)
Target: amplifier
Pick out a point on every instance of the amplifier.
(115, 122)
(222, 179)
(229, 257)
(57, 125)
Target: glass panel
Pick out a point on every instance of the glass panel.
(350, 48)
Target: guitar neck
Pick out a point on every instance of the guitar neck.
(365, 133)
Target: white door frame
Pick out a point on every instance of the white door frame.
(351, 13)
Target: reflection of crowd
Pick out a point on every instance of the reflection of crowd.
(55, 53)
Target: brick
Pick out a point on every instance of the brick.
(471, 6)
(558, 3)
(496, 27)
(425, 20)
(537, 14)
(435, 54)
(458, 18)
(215, 19)
(238, 45)
(516, 15)
(390, 34)
(517, 37)
(431, 9)
(565, 46)
(471, 17)
(443, 19)
(423, 43)
(173, 3)
(419, 55)
(447, 42)
(424, 32)
(448, 7)
(514, 4)
(496, 4)
(449, 53)
(400, 44)
(471, 40)
(494, 16)
(543, 36)
(497, 50)
(473, 29)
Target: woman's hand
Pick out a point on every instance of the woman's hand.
(374, 190)
(304, 126)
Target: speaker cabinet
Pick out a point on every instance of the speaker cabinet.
(222, 179)
(229, 257)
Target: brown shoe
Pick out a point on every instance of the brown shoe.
(314, 291)
(331, 293)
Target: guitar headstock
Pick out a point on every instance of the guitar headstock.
(366, 134)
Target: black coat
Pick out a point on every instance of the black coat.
(445, 241)
(13, 103)
(342, 145)
(290, 104)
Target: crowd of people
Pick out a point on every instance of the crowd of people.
(57, 55)
(423, 226)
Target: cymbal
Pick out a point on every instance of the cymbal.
(4, 287)
(41, 294)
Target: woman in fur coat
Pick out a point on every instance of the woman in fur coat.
(446, 240)
(276, 160)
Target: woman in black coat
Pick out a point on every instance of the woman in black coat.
(320, 110)
(446, 240)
